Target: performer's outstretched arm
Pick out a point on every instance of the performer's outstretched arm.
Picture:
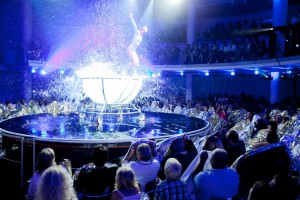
(136, 30)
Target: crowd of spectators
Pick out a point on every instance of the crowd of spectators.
(183, 161)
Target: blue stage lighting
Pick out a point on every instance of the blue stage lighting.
(232, 73)
(43, 72)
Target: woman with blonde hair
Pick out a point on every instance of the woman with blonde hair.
(45, 159)
(126, 185)
(55, 184)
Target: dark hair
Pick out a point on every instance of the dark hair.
(273, 125)
(100, 155)
(177, 145)
(259, 191)
(233, 136)
(212, 143)
(144, 152)
(272, 137)
(219, 159)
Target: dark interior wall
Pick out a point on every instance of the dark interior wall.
(11, 32)
(11, 83)
(250, 85)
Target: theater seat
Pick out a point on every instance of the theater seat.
(100, 197)
(262, 164)
(150, 188)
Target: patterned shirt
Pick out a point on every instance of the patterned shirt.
(171, 190)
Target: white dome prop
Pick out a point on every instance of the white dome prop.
(104, 86)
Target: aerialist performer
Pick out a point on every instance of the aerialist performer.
(136, 41)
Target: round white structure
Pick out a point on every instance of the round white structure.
(104, 86)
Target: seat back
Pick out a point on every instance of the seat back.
(150, 188)
(262, 164)
(97, 197)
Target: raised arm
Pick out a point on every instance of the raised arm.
(136, 30)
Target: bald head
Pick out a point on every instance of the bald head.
(219, 159)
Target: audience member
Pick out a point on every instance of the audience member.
(126, 186)
(210, 144)
(177, 150)
(172, 187)
(260, 191)
(55, 184)
(45, 159)
(132, 151)
(234, 147)
(280, 187)
(145, 168)
(96, 178)
(219, 182)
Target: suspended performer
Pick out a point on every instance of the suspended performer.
(136, 41)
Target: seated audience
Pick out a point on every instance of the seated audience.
(177, 150)
(234, 147)
(55, 184)
(219, 182)
(145, 168)
(268, 136)
(45, 159)
(280, 187)
(126, 185)
(96, 178)
(211, 143)
(172, 187)
(260, 191)
(132, 155)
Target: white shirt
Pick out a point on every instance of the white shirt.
(145, 171)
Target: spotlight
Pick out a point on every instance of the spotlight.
(297, 45)
(153, 75)
(256, 72)
(158, 74)
(33, 71)
(232, 73)
(62, 71)
(43, 72)
(268, 77)
(206, 73)
(289, 71)
(181, 73)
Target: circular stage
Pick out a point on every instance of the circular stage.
(73, 137)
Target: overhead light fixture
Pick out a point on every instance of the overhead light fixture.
(268, 77)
